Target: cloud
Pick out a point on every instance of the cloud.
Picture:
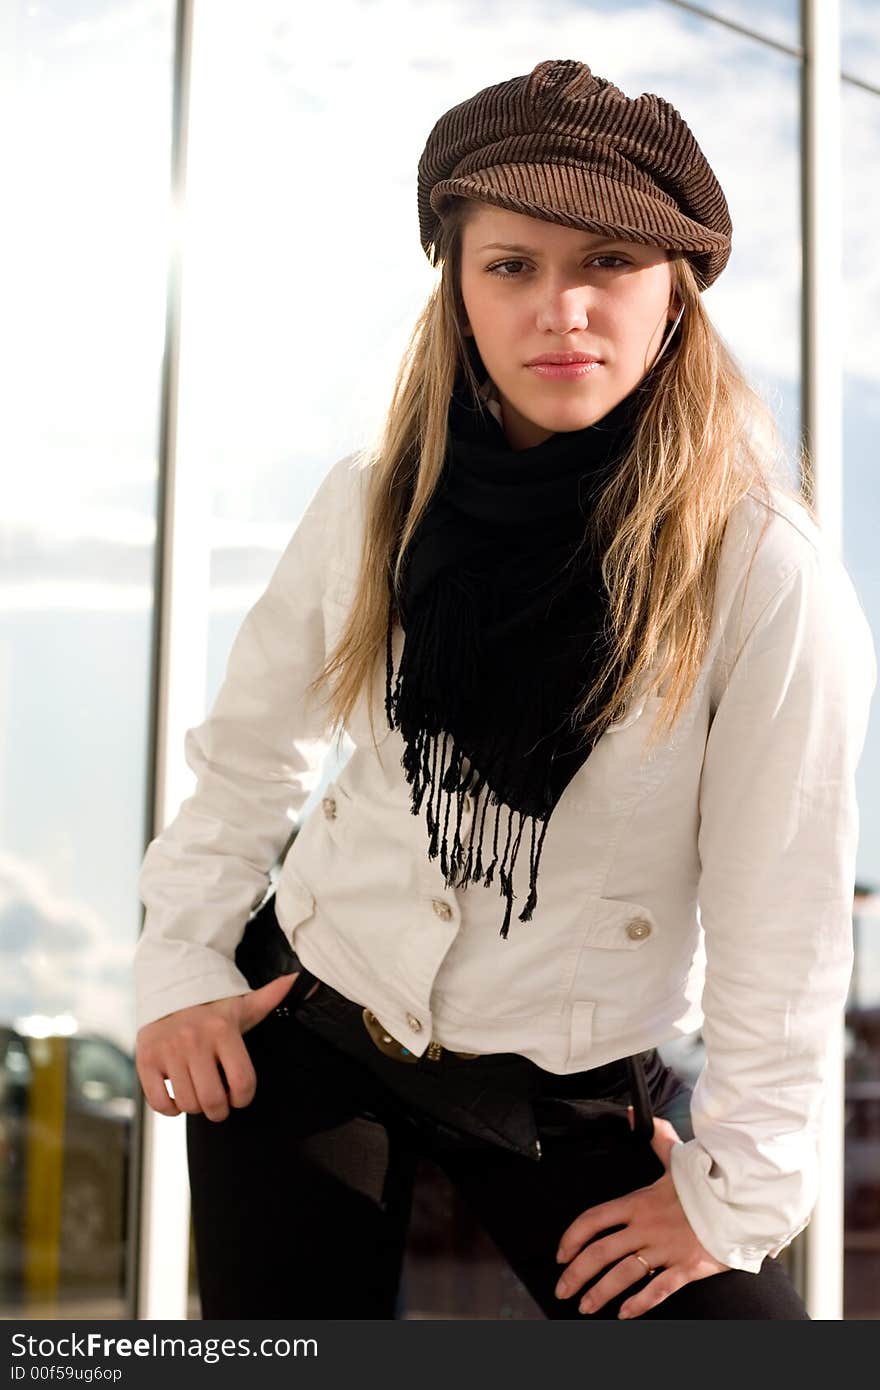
(57, 956)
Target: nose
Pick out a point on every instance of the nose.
(562, 310)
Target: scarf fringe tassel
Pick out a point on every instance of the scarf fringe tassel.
(462, 864)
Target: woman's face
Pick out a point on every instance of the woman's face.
(532, 287)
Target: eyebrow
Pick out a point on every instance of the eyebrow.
(533, 251)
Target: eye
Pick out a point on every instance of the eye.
(498, 267)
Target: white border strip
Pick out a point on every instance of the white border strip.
(823, 430)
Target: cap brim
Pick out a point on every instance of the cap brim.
(576, 196)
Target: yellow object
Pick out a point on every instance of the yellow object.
(44, 1168)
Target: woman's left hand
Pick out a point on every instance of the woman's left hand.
(654, 1225)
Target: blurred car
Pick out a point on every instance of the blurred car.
(92, 1148)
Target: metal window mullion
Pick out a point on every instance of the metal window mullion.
(179, 637)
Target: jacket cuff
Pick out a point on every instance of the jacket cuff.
(717, 1226)
(183, 994)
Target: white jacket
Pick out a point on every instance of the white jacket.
(728, 852)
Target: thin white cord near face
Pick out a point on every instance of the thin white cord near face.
(668, 336)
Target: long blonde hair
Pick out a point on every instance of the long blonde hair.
(705, 437)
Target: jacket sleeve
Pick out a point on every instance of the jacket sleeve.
(257, 756)
(777, 841)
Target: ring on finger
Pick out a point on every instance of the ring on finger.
(643, 1261)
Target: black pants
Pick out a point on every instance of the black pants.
(301, 1199)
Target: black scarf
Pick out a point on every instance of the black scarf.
(504, 627)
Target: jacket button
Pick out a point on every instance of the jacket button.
(329, 806)
(414, 1023)
(442, 909)
(638, 929)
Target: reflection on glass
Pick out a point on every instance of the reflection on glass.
(860, 40)
(66, 1112)
(862, 1116)
(81, 343)
(772, 19)
(861, 211)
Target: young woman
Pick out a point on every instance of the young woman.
(612, 798)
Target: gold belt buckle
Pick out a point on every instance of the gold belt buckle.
(392, 1048)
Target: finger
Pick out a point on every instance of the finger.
(623, 1275)
(591, 1222)
(588, 1265)
(238, 1070)
(260, 1002)
(181, 1084)
(153, 1085)
(208, 1085)
(658, 1289)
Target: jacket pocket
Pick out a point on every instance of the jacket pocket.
(620, 926)
(613, 926)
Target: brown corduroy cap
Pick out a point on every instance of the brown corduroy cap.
(562, 144)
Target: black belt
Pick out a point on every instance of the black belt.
(389, 1046)
(264, 953)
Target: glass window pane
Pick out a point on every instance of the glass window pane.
(87, 91)
(860, 40)
(304, 271)
(288, 360)
(773, 19)
(861, 211)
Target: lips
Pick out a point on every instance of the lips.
(563, 359)
(565, 371)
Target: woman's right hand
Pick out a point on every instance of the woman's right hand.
(186, 1047)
